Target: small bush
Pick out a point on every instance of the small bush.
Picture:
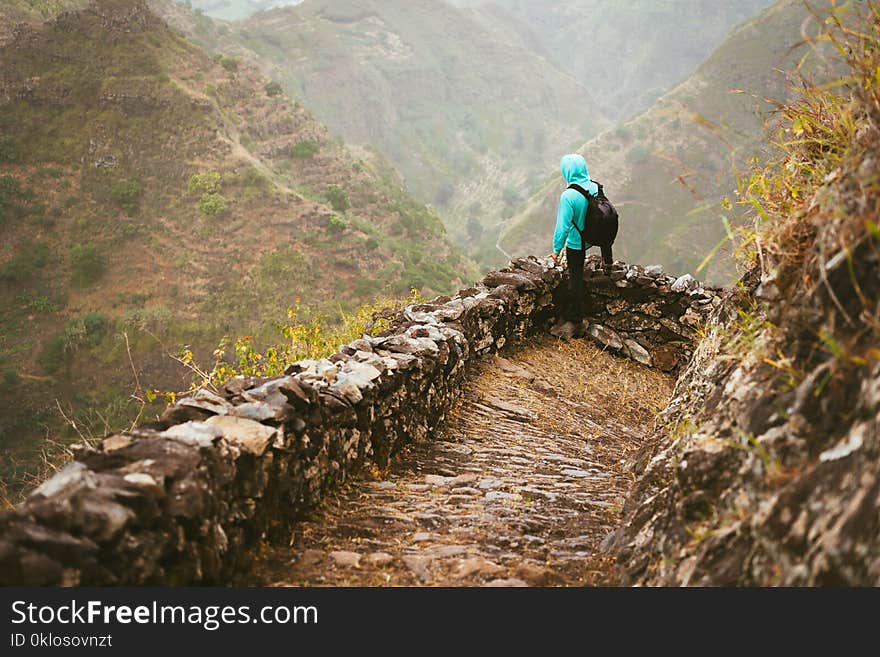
(11, 194)
(25, 263)
(53, 355)
(207, 182)
(8, 149)
(336, 224)
(510, 196)
(474, 228)
(42, 304)
(126, 195)
(212, 204)
(229, 63)
(11, 377)
(95, 325)
(305, 149)
(338, 198)
(274, 89)
(87, 264)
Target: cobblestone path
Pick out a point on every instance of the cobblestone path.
(518, 489)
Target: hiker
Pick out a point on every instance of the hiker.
(570, 218)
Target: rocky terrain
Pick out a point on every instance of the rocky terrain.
(520, 487)
(766, 469)
(185, 500)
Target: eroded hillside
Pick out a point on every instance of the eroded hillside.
(152, 190)
(766, 470)
(669, 169)
(471, 117)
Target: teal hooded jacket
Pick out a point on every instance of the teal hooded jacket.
(572, 204)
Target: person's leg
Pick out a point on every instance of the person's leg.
(576, 284)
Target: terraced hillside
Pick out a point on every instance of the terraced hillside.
(151, 190)
(471, 116)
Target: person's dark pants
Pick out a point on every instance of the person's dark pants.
(575, 259)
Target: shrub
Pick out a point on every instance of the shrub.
(336, 224)
(95, 325)
(212, 204)
(338, 198)
(126, 195)
(86, 263)
(42, 304)
(11, 194)
(53, 355)
(229, 63)
(25, 262)
(305, 149)
(474, 228)
(510, 196)
(11, 377)
(274, 89)
(8, 149)
(207, 182)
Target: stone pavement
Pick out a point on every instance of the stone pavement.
(520, 488)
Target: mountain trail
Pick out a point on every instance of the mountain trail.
(518, 488)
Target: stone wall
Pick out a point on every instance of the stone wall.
(184, 500)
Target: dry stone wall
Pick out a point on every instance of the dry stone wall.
(185, 499)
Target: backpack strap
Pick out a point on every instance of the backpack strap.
(583, 191)
(587, 196)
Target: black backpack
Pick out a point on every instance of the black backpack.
(600, 222)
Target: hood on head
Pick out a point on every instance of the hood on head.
(574, 169)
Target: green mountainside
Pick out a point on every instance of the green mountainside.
(231, 10)
(150, 190)
(471, 117)
(668, 169)
(627, 54)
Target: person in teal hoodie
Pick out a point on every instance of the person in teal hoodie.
(569, 223)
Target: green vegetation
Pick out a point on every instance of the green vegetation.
(126, 195)
(77, 334)
(336, 224)
(13, 198)
(212, 204)
(8, 149)
(128, 137)
(87, 264)
(455, 128)
(207, 182)
(338, 198)
(29, 258)
(273, 89)
(305, 334)
(229, 63)
(305, 149)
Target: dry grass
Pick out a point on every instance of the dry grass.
(622, 390)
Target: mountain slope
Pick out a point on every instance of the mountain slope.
(626, 53)
(147, 189)
(467, 115)
(668, 169)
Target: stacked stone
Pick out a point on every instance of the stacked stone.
(644, 314)
(182, 500)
